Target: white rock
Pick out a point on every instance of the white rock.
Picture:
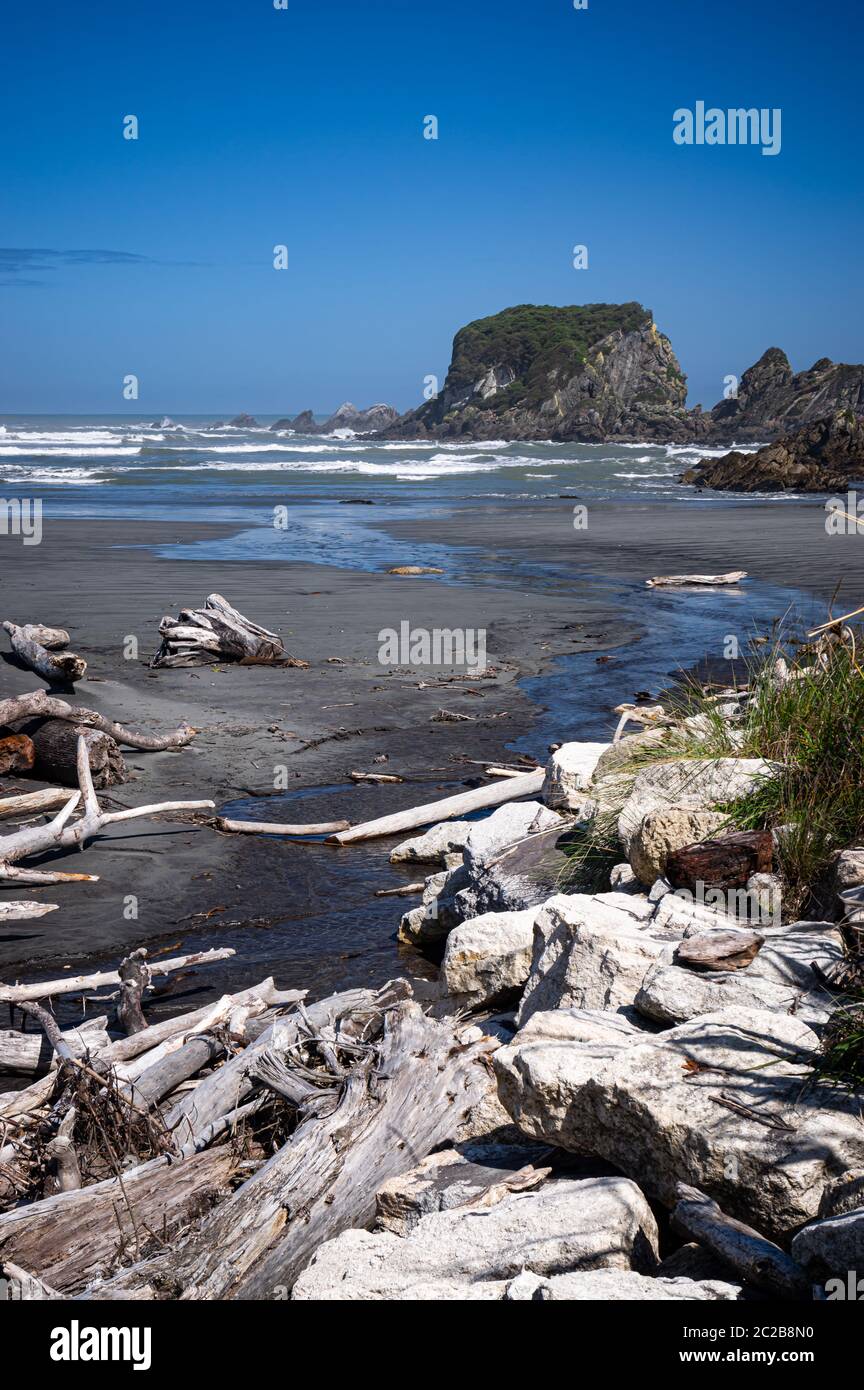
(833, 1247)
(617, 1285)
(490, 955)
(568, 774)
(504, 827)
(589, 953)
(448, 837)
(568, 1224)
(656, 1109)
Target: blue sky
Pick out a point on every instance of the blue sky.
(304, 126)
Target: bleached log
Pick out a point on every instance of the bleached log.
(28, 1054)
(175, 1067)
(31, 803)
(670, 581)
(526, 784)
(756, 1260)
(20, 911)
(84, 984)
(50, 707)
(263, 827)
(380, 777)
(54, 669)
(50, 637)
(74, 1238)
(27, 1288)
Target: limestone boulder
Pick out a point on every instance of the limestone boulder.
(719, 1103)
(433, 845)
(488, 958)
(568, 775)
(832, 1248)
(566, 1225)
(695, 783)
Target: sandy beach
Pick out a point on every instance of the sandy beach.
(308, 911)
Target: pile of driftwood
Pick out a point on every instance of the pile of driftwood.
(207, 1156)
(217, 632)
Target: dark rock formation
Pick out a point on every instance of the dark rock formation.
(772, 400)
(347, 417)
(587, 372)
(244, 422)
(825, 456)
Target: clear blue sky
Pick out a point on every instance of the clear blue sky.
(304, 126)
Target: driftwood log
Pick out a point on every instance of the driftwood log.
(82, 984)
(54, 668)
(56, 745)
(30, 1054)
(17, 753)
(526, 784)
(33, 803)
(21, 910)
(263, 827)
(675, 581)
(756, 1260)
(38, 703)
(724, 863)
(217, 632)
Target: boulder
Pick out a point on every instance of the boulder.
(566, 1225)
(695, 783)
(617, 1285)
(719, 1103)
(780, 979)
(448, 837)
(832, 1248)
(569, 773)
(489, 957)
(662, 832)
(512, 822)
(849, 869)
(590, 952)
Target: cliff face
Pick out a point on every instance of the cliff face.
(589, 372)
(773, 400)
(824, 456)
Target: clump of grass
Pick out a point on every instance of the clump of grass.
(842, 1059)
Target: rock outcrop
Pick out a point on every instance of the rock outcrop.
(826, 455)
(585, 372)
(773, 400)
(347, 417)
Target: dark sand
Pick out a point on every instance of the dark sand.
(306, 912)
(280, 904)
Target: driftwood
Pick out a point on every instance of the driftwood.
(407, 890)
(756, 1260)
(400, 1100)
(60, 834)
(526, 784)
(32, 803)
(217, 632)
(674, 581)
(724, 863)
(75, 1238)
(54, 669)
(375, 777)
(20, 911)
(719, 950)
(50, 637)
(37, 703)
(81, 984)
(29, 1054)
(263, 827)
(56, 745)
(17, 753)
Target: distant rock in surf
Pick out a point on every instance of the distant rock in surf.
(244, 422)
(347, 417)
